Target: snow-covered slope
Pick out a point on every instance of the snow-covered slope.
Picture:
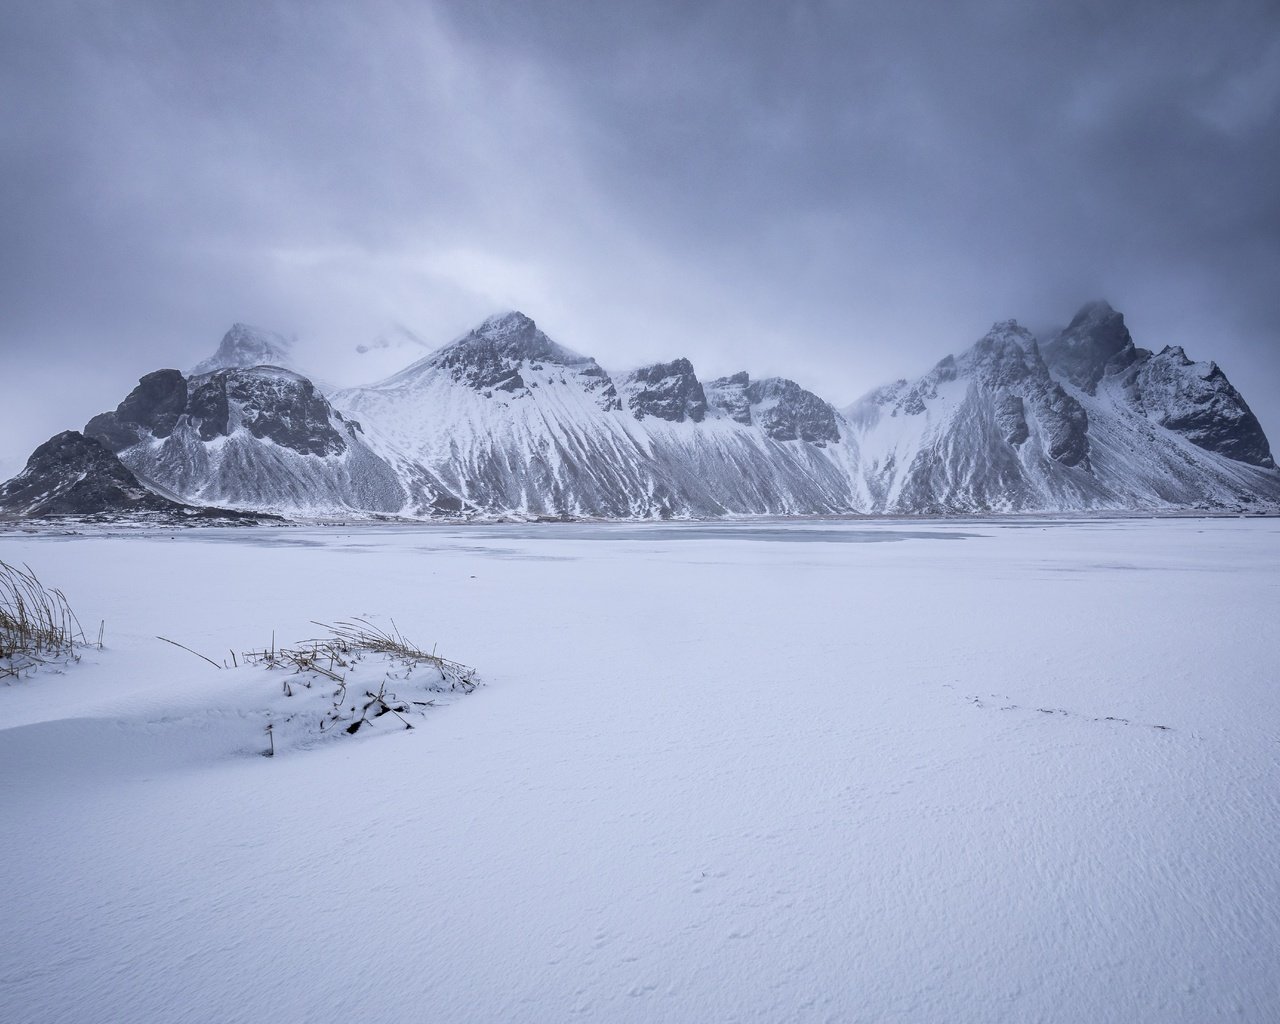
(255, 438)
(506, 420)
(987, 430)
(994, 430)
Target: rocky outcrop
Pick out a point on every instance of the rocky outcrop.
(151, 409)
(283, 408)
(730, 394)
(271, 404)
(1006, 364)
(781, 408)
(1197, 401)
(71, 474)
(787, 412)
(668, 391)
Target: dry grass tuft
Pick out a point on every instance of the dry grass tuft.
(37, 624)
(346, 705)
(334, 656)
(348, 642)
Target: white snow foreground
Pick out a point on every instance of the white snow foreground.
(921, 772)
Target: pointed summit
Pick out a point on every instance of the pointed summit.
(1006, 354)
(510, 336)
(244, 346)
(502, 325)
(1096, 343)
(498, 356)
(1096, 310)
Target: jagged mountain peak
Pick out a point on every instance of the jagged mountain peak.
(245, 345)
(1004, 355)
(1010, 332)
(1096, 343)
(656, 371)
(508, 322)
(978, 428)
(507, 353)
(1096, 354)
(1095, 310)
(510, 335)
(256, 437)
(1197, 401)
(729, 394)
(267, 401)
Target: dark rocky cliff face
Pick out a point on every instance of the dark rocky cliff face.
(271, 404)
(787, 412)
(781, 408)
(152, 408)
(1197, 401)
(730, 394)
(71, 474)
(1096, 343)
(669, 391)
(285, 409)
(1007, 363)
(1193, 399)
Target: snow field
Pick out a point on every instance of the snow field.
(809, 771)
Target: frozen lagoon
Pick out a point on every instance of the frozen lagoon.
(1006, 770)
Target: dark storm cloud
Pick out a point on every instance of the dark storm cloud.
(842, 192)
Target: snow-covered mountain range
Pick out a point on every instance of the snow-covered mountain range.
(504, 421)
(1092, 423)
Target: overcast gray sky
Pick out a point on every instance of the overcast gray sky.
(839, 192)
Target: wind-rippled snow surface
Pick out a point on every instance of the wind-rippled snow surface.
(1014, 771)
